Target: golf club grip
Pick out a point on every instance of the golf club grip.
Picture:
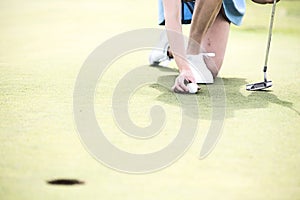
(270, 35)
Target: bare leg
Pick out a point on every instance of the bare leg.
(215, 40)
(204, 16)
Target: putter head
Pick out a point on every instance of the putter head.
(259, 86)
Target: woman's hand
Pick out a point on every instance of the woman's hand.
(264, 1)
(180, 85)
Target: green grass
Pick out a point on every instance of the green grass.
(42, 47)
(287, 17)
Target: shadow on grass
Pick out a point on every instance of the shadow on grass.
(255, 100)
(235, 100)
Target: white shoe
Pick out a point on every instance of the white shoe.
(159, 55)
(199, 68)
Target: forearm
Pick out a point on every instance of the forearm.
(172, 10)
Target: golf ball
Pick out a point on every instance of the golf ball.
(193, 88)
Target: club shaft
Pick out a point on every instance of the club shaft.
(270, 36)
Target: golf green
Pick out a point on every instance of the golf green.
(43, 45)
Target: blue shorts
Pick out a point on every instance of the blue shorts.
(234, 11)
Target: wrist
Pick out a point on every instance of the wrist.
(184, 69)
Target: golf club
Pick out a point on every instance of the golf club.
(265, 84)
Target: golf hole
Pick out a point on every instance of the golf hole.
(65, 182)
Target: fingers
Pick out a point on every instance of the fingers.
(271, 1)
(265, 1)
(179, 85)
(179, 89)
